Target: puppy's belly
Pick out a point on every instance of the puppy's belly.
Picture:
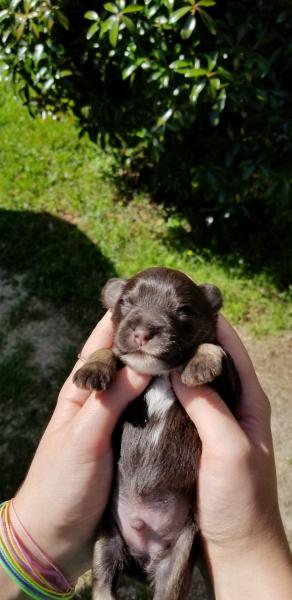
(151, 529)
(154, 495)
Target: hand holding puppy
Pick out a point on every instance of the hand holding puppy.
(239, 519)
(66, 489)
(70, 477)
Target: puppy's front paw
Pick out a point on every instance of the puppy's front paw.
(98, 371)
(205, 365)
(94, 376)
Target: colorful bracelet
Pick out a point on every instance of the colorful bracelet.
(39, 579)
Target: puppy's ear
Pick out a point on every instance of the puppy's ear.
(111, 292)
(213, 295)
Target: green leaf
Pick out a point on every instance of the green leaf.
(169, 4)
(38, 52)
(91, 15)
(63, 20)
(188, 27)
(196, 90)
(19, 30)
(180, 66)
(215, 83)
(129, 70)
(3, 14)
(133, 8)
(212, 60)
(221, 100)
(178, 14)
(114, 33)
(6, 35)
(111, 8)
(48, 84)
(106, 25)
(13, 4)
(214, 118)
(152, 11)
(92, 30)
(208, 21)
(196, 72)
(225, 73)
(162, 120)
(26, 6)
(40, 74)
(129, 24)
(35, 29)
(65, 73)
(206, 3)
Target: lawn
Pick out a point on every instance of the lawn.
(47, 168)
(64, 229)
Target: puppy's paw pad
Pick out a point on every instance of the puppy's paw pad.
(92, 377)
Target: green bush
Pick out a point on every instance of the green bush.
(196, 96)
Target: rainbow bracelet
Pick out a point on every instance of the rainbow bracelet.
(39, 581)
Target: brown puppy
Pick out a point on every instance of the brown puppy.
(162, 321)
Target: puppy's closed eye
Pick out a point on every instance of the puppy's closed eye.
(185, 311)
(125, 304)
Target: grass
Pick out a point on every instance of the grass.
(64, 229)
(46, 167)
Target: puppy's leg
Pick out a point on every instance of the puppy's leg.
(173, 574)
(203, 569)
(108, 558)
(98, 371)
(204, 366)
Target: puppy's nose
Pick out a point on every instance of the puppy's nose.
(141, 335)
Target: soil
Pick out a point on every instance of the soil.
(272, 357)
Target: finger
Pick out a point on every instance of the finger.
(254, 402)
(217, 427)
(71, 398)
(232, 343)
(95, 421)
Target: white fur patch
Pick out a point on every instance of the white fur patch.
(143, 363)
(159, 397)
(155, 433)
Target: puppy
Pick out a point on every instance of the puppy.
(162, 321)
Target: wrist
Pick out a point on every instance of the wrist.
(24, 562)
(9, 589)
(40, 536)
(261, 568)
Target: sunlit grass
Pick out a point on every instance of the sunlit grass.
(46, 167)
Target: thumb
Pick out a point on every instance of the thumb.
(216, 426)
(94, 424)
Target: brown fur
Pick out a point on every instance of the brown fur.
(150, 526)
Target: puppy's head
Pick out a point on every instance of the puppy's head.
(160, 317)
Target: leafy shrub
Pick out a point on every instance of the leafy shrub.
(193, 94)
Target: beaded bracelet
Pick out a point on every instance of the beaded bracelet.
(39, 579)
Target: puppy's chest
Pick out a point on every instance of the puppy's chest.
(159, 399)
(147, 419)
(159, 444)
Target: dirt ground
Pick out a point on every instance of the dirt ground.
(49, 333)
(272, 357)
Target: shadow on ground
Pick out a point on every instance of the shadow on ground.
(50, 280)
(51, 275)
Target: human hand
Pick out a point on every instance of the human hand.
(66, 489)
(237, 500)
